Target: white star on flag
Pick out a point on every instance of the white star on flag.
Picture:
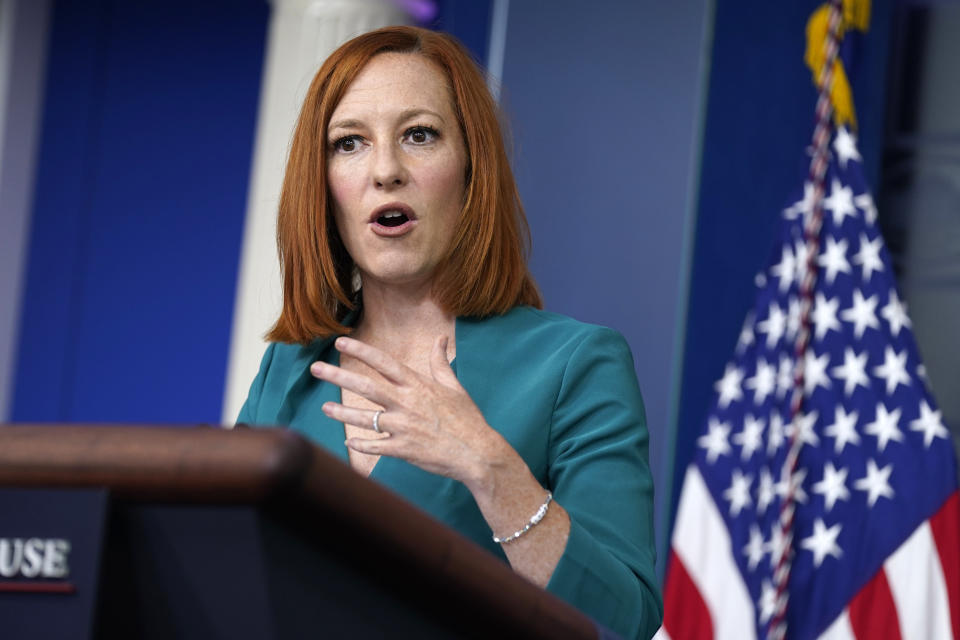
(834, 259)
(833, 486)
(893, 369)
(785, 269)
(803, 425)
(895, 314)
(784, 376)
(845, 146)
(852, 371)
(824, 315)
(768, 602)
(929, 423)
(729, 386)
(755, 549)
(823, 542)
(750, 438)
(738, 493)
(862, 313)
(802, 206)
(876, 482)
(865, 202)
(884, 427)
(843, 429)
(774, 326)
(840, 202)
(869, 256)
(775, 435)
(763, 382)
(815, 372)
(777, 545)
(766, 490)
(715, 440)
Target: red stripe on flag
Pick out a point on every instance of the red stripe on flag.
(873, 614)
(945, 525)
(685, 615)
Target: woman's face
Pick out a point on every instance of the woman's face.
(396, 169)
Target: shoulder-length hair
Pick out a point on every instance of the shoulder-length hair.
(485, 269)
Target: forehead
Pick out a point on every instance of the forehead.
(396, 82)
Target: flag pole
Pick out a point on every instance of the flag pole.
(812, 224)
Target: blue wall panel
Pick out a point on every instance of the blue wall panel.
(141, 195)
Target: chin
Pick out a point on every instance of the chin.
(398, 275)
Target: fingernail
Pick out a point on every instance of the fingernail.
(340, 342)
(316, 368)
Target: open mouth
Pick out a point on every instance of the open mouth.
(392, 219)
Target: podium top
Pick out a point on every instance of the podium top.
(279, 471)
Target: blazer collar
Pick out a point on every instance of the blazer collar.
(300, 375)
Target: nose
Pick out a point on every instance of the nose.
(389, 171)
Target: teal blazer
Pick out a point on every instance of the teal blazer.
(564, 394)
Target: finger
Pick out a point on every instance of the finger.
(439, 367)
(375, 359)
(373, 446)
(362, 418)
(358, 383)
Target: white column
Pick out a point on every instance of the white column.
(302, 34)
(23, 56)
(497, 45)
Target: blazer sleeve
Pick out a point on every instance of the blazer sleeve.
(249, 410)
(600, 474)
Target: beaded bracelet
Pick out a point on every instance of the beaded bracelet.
(534, 521)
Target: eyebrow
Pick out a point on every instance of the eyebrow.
(407, 114)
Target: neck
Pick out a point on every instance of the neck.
(404, 322)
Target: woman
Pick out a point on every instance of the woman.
(400, 227)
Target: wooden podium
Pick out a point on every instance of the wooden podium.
(174, 532)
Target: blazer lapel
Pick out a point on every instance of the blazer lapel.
(300, 377)
(297, 397)
(470, 366)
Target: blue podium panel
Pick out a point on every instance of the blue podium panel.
(50, 545)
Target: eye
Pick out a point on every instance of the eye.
(421, 134)
(346, 144)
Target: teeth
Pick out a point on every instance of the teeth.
(392, 214)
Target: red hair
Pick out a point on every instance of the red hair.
(484, 271)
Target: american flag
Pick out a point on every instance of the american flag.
(876, 551)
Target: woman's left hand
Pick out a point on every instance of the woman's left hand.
(434, 424)
(432, 421)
